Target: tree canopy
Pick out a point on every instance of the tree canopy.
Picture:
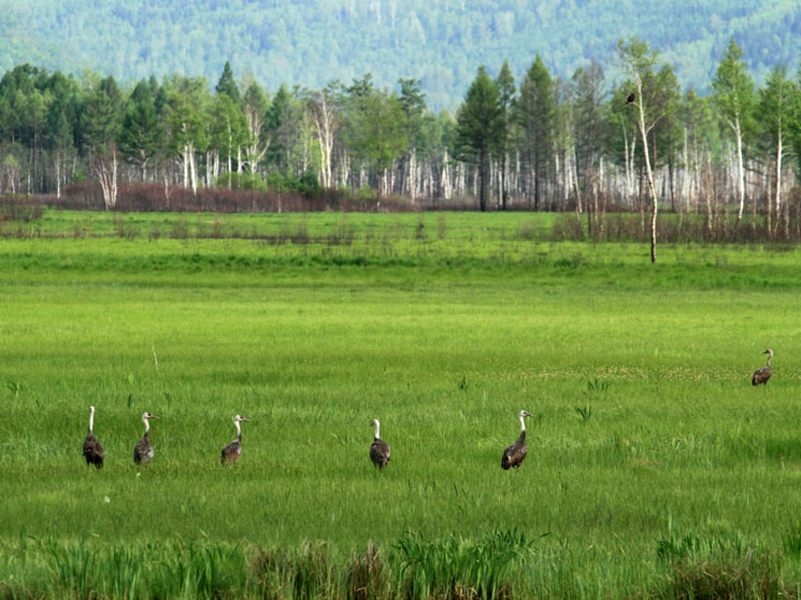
(310, 42)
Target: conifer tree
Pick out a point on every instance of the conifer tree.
(535, 113)
(478, 123)
(506, 88)
(226, 85)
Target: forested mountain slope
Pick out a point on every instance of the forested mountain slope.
(441, 42)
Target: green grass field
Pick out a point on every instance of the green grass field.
(649, 451)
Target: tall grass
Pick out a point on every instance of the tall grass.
(500, 565)
(646, 426)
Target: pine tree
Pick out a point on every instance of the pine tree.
(101, 123)
(506, 88)
(479, 121)
(226, 85)
(535, 113)
(141, 137)
(589, 132)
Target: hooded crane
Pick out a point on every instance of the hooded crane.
(143, 451)
(379, 450)
(92, 449)
(762, 375)
(513, 456)
(233, 451)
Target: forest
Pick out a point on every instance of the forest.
(528, 142)
(439, 42)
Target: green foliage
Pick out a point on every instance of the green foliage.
(307, 184)
(101, 115)
(535, 113)
(226, 84)
(141, 135)
(377, 122)
(242, 181)
(734, 89)
(479, 119)
(479, 124)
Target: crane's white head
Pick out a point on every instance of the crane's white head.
(146, 420)
(768, 351)
(375, 423)
(238, 418)
(522, 414)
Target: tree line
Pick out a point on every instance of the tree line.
(537, 142)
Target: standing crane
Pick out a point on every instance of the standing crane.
(92, 448)
(762, 375)
(233, 451)
(143, 451)
(379, 450)
(514, 455)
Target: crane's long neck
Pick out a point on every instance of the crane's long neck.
(377, 427)
(147, 426)
(91, 419)
(522, 424)
(238, 431)
(769, 357)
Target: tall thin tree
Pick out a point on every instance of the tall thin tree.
(734, 96)
(478, 122)
(638, 61)
(535, 112)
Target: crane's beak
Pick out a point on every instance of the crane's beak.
(244, 419)
(153, 417)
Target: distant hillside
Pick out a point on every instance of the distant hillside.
(441, 42)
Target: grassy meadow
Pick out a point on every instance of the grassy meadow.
(654, 468)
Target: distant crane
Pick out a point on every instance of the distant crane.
(143, 451)
(513, 456)
(762, 375)
(92, 448)
(379, 450)
(233, 451)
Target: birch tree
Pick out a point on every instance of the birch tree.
(101, 127)
(638, 62)
(327, 121)
(776, 112)
(254, 105)
(734, 96)
(186, 123)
